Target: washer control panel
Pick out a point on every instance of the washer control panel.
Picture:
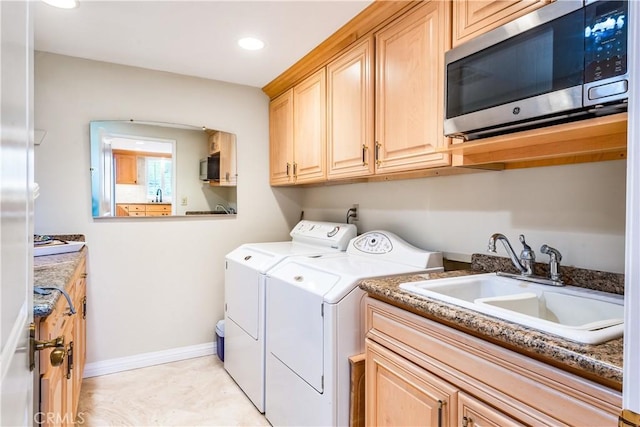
(328, 234)
(373, 243)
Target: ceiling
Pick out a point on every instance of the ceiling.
(195, 38)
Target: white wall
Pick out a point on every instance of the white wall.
(157, 284)
(154, 284)
(578, 209)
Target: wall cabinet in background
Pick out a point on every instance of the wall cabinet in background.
(126, 166)
(223, 145)
(410, 90)
(350, 128)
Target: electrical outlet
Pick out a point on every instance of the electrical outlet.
(184, 201)
(355, 212)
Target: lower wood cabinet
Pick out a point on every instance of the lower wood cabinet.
(143, 209)
(60, 385)
(400, 393)
(422, 373)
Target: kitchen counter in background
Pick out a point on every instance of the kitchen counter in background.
(601, 363)
(55, 270)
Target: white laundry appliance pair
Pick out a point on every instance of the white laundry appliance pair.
(315, 321)
(245, 276)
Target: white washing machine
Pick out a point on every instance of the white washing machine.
(245, 269)
(315, 322)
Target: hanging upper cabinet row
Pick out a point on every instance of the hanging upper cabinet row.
(375, 108)
(323, 127)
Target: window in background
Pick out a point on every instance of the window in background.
(159, 173)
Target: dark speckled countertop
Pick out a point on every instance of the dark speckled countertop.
(55, 271)
(601, 362)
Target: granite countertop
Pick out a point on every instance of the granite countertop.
(54, 271)
(601, 363)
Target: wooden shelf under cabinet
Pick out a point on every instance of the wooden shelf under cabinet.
(600, 138)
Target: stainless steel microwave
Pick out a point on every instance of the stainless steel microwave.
(210, 168)
(563, 62)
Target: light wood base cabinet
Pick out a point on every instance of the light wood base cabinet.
(422, 373)
(60, 385)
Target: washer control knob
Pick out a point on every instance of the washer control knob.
(333, 232)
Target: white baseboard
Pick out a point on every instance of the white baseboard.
(148, 359)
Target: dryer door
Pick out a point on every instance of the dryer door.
(242, 288)
(295, 331)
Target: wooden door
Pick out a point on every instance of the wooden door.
(410, 89)
(474, 17)
(281, 139)
(474, 413)
(399, 393)
(350, 113)
(309, 129)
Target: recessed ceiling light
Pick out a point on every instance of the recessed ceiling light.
(251, 43)
(63, 4)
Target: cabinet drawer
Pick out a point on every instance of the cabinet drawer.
(136, 208)
(158, 208)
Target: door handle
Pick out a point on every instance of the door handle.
(57, 355)
(377, 154)
(364, 155)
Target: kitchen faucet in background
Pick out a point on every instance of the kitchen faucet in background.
(159, 196)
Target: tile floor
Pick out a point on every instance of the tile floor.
(194, 392)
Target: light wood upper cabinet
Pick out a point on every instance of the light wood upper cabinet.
(126, 168)
(350, 126)
(410, 89)
(474, 17)
(297, 133)
(281, 139)
(309, 129)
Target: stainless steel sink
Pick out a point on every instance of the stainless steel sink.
(574, 313)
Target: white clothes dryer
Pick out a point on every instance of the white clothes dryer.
(245, 269)
(315, 322)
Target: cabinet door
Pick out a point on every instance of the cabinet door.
(350, 113)
(53, 395)
(309, 129)
(410, 89)
(474, 17)
(227, 159)
(281, 139)
(126, 168)
(474, 413)
(399, 393)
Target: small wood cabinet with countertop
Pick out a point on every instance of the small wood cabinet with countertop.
(421, 372)
(143, 209)
(60, 385)
(448, 365)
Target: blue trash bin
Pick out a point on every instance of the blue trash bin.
(220, 339)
